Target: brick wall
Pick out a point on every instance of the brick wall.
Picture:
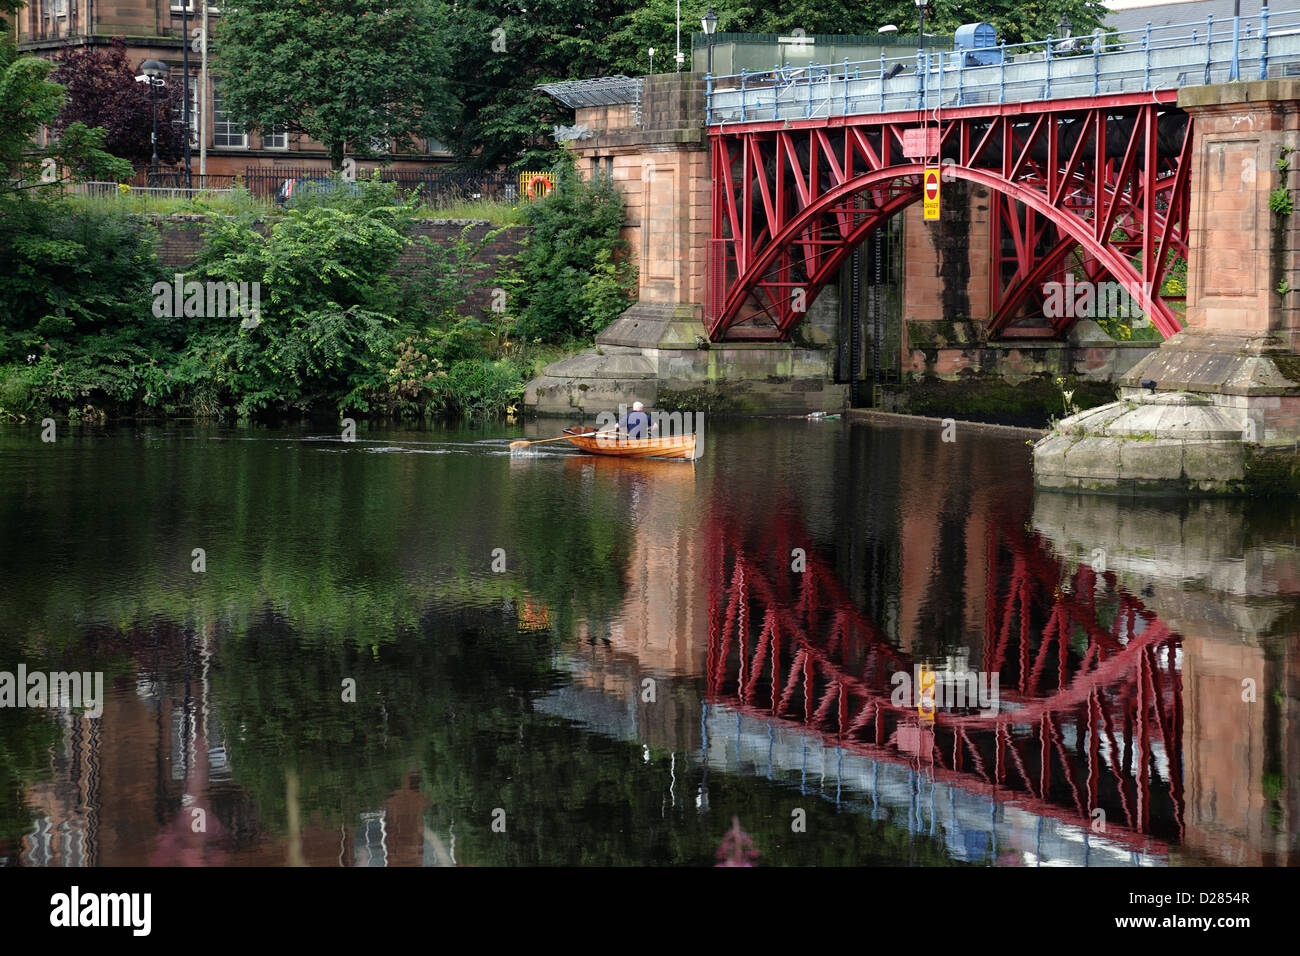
(180, 239)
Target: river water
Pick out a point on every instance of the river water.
(417, 649)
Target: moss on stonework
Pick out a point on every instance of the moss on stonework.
(985, 397)
(1273, 471)
(1288, 365)
(941, 334)
(708, 400)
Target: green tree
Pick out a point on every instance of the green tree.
(327, 299)
(499, 52)
(572, 276)
(350, 74)
(1017, 21)
(29, 101)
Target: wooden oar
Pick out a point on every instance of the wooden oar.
(516, 445)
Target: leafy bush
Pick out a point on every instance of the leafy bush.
(482, 388)
(328, 300)
(340, 324)
(75, 316)
(66, 271)
(573, 276)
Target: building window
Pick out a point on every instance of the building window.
(224, 130)
(189, 5)
(277, 137)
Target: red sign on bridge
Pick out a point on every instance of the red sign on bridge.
(931, 192)
(921, 143)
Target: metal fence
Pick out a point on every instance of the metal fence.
(176, 179)
(102, 189)
(434, 186)
(1169, 57)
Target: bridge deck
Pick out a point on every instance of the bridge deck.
(1165, 58)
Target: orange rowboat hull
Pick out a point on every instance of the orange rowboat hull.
(589, 440)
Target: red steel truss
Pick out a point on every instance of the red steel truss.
(1105, 179)
(1080, 660)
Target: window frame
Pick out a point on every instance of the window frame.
(268, 134)
(217, 121)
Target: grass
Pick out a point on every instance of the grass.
(239, 201)
(232, 203)
(494, 211)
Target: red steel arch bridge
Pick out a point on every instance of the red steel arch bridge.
(1080, 142)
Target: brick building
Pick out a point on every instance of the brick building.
(154, 29)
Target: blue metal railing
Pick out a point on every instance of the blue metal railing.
(1168, 57)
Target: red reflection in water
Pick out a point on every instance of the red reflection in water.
(1089, 709)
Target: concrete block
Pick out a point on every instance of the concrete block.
(1214, 461)
(1093, 458)
(1151, 460)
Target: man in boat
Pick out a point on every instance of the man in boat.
(636, 423)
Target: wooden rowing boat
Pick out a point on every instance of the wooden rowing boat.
(610, 442)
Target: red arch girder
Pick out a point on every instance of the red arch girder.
(1117, 188)
(1115, 262)
(950, 770)
(1169, 190)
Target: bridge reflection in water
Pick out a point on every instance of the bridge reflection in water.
(1121, 736)
(1088, 715)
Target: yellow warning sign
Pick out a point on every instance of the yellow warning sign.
(930, 192)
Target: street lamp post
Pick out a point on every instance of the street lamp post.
(152, 72)
(1064, 28)
(680, 59)
(710, 23)
(185, 81)
(920, 50)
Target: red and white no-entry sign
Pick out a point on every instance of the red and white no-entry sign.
(931, 192)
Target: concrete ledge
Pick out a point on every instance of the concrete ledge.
(895, 418)
(655, 325)
(1230, 94)
(1209, 361)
